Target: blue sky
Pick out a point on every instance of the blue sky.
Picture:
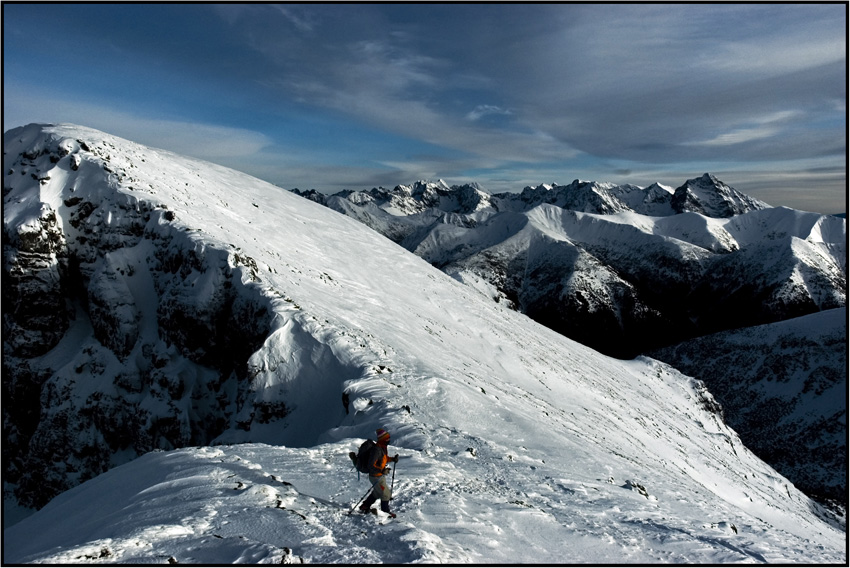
(334, 96)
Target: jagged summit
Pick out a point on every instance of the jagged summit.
(422, 188)
(418, 197)
(705, 195)
(709, 196)
(646, 256)
(584, 196)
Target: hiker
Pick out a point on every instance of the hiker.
(377, 465)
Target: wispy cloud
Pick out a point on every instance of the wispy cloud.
(761, 128)
(385, 84)
(302, 21)
(788, 53)
(640, 84)
(739, 136)
(485, 110)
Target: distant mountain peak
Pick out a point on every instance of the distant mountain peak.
(656, 185)
(709, 196)
(423, 187)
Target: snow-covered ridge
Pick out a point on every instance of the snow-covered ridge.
(514, 438)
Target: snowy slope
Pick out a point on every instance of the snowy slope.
(518, 445)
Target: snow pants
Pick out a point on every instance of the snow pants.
(380, 490)
(380, 487)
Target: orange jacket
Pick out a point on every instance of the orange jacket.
(378, 460)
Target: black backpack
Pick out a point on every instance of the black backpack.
(361, 458)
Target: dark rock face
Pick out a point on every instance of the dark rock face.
(34, 259)
(568, 290)
(711, 197)
(768, 282)
(126, 335)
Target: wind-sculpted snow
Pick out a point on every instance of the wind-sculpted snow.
(525, 483)
(254, 310)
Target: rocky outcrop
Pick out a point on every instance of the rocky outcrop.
(126, 334)
(584, 196)
(711, 197)
(35, 259)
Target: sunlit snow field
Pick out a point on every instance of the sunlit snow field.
(517, 445)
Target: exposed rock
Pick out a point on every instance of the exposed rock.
(148, 332)
(33, 257)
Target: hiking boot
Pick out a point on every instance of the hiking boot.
(385, 507)
(367, 504)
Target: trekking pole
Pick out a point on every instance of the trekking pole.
(392, 483)
(361, 500)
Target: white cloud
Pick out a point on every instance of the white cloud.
(779, 55)
(738, 136)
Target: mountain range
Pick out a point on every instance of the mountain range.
(178, 338)
(620, 268)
